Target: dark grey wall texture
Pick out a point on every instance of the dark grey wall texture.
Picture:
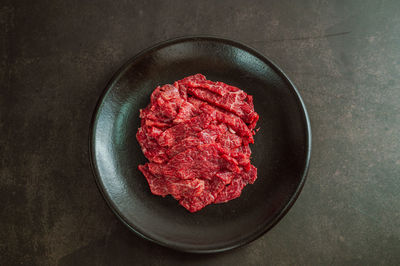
(57, 56)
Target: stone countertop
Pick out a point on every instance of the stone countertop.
(57, 56)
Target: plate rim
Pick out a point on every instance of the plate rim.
(182, 39)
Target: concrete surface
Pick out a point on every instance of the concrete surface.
(57, 56)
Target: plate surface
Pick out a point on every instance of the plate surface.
(281, 151)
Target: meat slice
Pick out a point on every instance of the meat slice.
(222, 95)
(220, 88)
(202, 161)
(234, 189)
(191, 127)
(186, 112)
(158, 185)
(206, 136)
(234, 122)
(241, 154)
(147, 138)
(196, 135)
(198, 202)
(207, 196)
(231, 120)
(226, 177)
(249, 175)
(231, 191)
(176, 187)
(165, 103)
(229, 140)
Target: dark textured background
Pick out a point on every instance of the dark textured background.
(57, 56)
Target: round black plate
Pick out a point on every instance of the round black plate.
(281, 151)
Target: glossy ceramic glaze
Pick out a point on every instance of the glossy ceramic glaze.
(281, 151)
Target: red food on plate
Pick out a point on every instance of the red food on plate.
(196, 135)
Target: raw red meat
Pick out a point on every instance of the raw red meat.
(196, 135)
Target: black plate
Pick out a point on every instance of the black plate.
(281, 151)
